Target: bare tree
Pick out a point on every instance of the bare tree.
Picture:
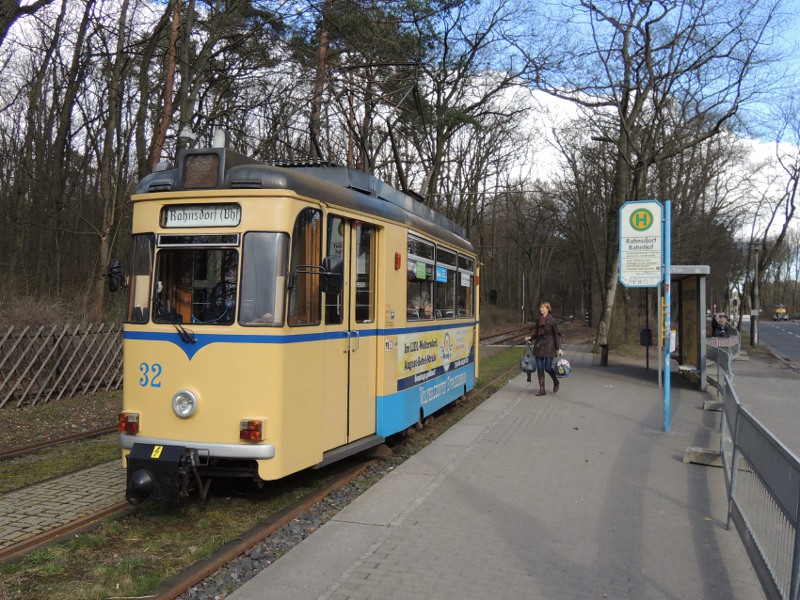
(111, 187)
(11, 10)
(647, 69)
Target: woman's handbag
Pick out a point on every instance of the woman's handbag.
(528, 362)
(563, 368)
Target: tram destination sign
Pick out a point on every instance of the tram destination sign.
(641, 243)
(201, 215)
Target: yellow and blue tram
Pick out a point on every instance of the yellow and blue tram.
(284, 317)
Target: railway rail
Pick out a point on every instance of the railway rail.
(64, 531)
(30, 449)
(510, 337)
(175, 586)
(182, 582)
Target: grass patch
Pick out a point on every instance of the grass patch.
(132, 555)
(58, 418)
(492, 367)
(65, 458)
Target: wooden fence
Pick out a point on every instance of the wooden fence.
(37, 367)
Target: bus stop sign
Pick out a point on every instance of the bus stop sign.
(641, 233)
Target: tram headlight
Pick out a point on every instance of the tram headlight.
(184, 403)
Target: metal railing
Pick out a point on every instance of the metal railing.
(762, 478)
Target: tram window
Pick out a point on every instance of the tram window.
(420, 275)
(420, 248)
(304, 298)
(264, 263)
(141, 269)
(445, 304)
(465, 286)
(334, 310)
(196, 285)
(365, 277)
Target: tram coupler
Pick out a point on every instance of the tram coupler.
(160, 472)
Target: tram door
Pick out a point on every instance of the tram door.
(353, 312)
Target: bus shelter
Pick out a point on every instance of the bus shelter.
(688, 318)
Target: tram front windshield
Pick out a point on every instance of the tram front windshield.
(206, 285)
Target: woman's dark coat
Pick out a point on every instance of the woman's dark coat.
(545, 338)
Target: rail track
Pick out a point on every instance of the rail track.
(24, 450)
(180, 583)
(175, 586)
(510, 337)
(63, 532)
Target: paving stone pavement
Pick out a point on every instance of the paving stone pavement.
(576, 495)
(37, 509)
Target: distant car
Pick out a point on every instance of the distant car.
(780, 313)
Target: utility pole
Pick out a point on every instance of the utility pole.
(755, 310)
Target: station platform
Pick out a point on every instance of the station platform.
(574, 495)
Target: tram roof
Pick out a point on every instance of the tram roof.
(332, 184)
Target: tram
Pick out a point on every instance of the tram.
(282, 318)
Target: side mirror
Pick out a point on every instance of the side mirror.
(333, 274)
(115, 274)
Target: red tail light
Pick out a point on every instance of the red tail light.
(128, 422)
(251, 430)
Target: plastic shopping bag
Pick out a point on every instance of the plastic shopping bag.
(528, 362)
(563, 368)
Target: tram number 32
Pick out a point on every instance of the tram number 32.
(151, 375)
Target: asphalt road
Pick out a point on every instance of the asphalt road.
(782, 337)
(767, 380)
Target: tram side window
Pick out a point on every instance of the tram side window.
(141, 270)
(305, 295)
(420, 276)
(365, 279)
(334, 311)
(264, 264)
(466, 286)
(445, 304)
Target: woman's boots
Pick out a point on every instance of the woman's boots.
(555, 380)
(540, 375)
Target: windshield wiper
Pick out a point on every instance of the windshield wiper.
(186, 335)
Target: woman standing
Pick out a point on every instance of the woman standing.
(546, 346)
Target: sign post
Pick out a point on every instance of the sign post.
(640, 243)
(643, 243)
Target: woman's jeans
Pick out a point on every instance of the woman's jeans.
(544, 363)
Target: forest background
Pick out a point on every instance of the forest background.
(446, 98)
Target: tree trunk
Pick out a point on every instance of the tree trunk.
(315, 119)
(621, 187)
(169, 83)
(108, 191)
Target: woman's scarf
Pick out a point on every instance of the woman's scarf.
(542, 325)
